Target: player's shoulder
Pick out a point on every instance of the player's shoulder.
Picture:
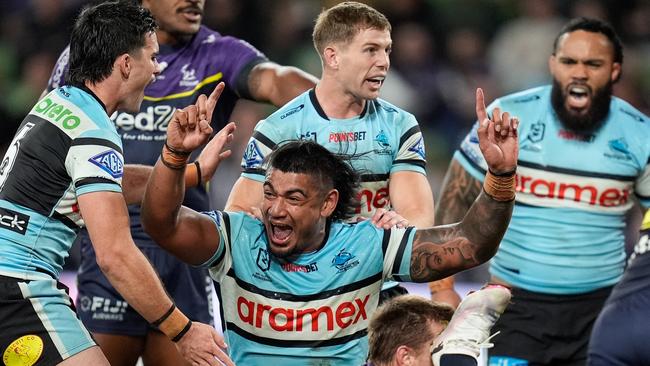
(386, 108)
(624, 112)
(526, 98)
(211, 39)
(294, 110)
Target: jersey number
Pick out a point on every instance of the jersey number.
(11, 154)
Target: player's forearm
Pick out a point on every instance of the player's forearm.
(444, 250)
(134, 182)
(162, 200)
(134, 278)
(485, 224)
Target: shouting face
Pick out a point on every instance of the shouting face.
(583, 71)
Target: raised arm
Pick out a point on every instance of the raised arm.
(444, 250)
(270, 82)
(191, 236)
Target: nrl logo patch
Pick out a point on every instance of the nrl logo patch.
(110, 162)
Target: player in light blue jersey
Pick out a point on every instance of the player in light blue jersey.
(345, 114)
(297, 287)
(64, 171)
(583, 161)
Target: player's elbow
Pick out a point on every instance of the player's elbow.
(111, 261)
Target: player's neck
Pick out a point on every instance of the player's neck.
(172, 39)
(336, 102)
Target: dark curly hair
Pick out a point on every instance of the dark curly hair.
(333, 171)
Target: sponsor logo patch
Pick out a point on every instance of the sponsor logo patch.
(110, 162)
(418, 148)
(24, 351)
(292, 111)
(103, 308)
(263, 260)
(13, 221)
(306, 268)
(253, 157)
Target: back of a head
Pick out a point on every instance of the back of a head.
(593, 26)
(331, 170)
(342, 22)
(101, 34)
(404, 321)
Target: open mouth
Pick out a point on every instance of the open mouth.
(376, 82)
(578, 96)
(192, 14)
(280, 234)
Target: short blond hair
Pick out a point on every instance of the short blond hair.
(404, 321)
(342, 22)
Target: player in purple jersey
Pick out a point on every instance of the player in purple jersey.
(193, 59)
(308, 191)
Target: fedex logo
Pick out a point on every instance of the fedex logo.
(539, 189)
(325, 317)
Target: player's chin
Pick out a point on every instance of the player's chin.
(281, 250)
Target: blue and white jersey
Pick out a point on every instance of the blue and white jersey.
(566, 235)
(66, 146)
(312, 311)
(382, 140)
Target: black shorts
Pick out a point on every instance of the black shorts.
(103, 310)
(38, 324)
(544, 329)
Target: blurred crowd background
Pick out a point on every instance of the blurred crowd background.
(443, 50)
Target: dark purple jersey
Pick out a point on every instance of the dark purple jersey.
(188, 70)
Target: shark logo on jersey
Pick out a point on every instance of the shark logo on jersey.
(383, 142)
(418, 148)
(263, 260)
(253, 157)
(13, 221)
(618, 150)
(344, 261)
(110, 162)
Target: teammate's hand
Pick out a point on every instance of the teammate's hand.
(214, 152)
(497, 137)
(385, 219)
(189, 127)
(201, 345)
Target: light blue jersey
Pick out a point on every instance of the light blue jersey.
(384, 139)
(312, 311)
(66, 146)
(566, 235)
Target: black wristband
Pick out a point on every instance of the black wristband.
(180, 334)
(164, 317)
(170, 165)
(198, 172)
(176, 151)
(505, 174)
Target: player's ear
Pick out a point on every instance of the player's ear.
(123, 65)
(616, 71)
(329, 203)
(330, 57)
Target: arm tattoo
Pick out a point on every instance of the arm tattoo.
(459, 190)
(444, 250)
